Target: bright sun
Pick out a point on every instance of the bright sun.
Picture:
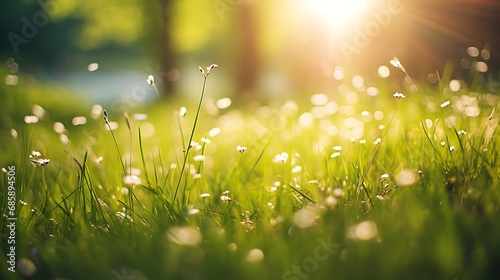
(336, 12)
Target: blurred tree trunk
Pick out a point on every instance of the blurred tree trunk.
(169, 72)
(248, 54)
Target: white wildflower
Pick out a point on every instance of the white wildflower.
(150, 80)
(399, 95)
(281, 158)
(132, 180)
(241, 149)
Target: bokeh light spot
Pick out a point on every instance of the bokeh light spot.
(406, 177)
(464, 63)
(92, 67)
(481, 66)
(319, 99)
(184, 235)
(384, 71)
(454, 85)
(472, 51)
(223, 103)
(432, 78)
(304, 218)
(254, 255)
(372, 91)
(485, 54)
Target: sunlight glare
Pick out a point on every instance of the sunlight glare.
(337, 12)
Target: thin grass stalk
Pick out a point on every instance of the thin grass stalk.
(363, 176)
(188, 145)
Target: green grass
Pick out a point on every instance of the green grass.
(427, 205)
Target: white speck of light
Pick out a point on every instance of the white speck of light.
(383, 71)
(406, 177)
(93, 67)
(184, 235)
(254, 255)
(223, 103)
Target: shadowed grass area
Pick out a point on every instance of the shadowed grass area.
(344, 186)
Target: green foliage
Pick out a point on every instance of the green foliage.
(145, 200)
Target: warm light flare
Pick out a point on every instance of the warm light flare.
(336, 11)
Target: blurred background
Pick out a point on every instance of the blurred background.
(104, 50)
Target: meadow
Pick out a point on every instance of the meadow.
(368, 182)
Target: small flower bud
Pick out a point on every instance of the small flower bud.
(105, 116)
(211, 67)
(150, 80)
